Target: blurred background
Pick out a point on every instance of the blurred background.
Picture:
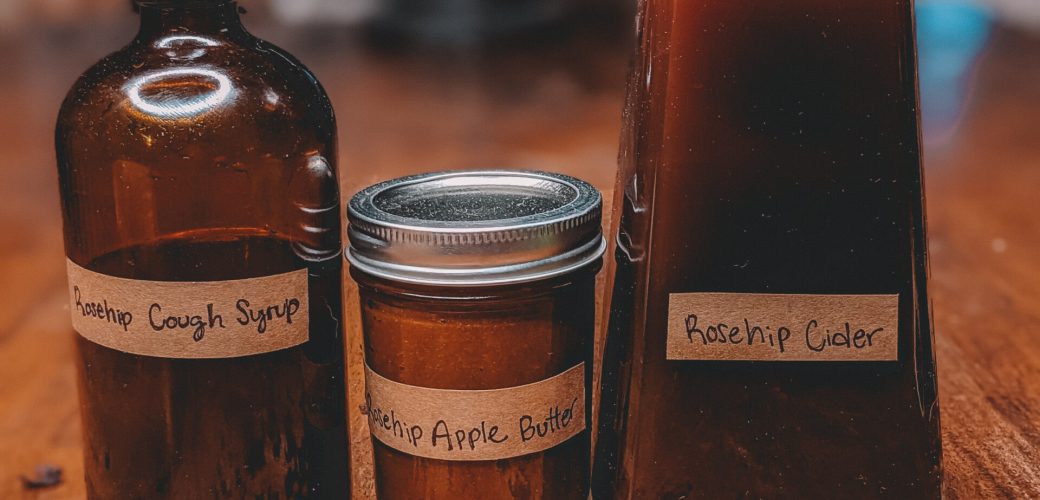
(425, 84)
(434, 84)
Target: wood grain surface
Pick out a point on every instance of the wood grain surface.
(552, 105)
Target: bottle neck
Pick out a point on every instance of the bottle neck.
(214, 17)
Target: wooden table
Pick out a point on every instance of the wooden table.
(553, 106)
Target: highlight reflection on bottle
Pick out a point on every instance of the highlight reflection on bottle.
(201, 208)
(770, 193)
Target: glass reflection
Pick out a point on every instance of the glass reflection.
(179, 93)
(178, 42)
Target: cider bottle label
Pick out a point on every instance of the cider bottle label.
(190, 320)
(469, 425)
(782, 327)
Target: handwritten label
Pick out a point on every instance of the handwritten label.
(177, 319)
(476, 425)
(779, 327)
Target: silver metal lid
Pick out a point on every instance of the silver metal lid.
(475, 228)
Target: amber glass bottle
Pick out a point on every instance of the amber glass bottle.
(770, 332)
(201, 211)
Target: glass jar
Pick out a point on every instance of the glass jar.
(770, 333)
(478, 308)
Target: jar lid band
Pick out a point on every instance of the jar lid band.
(473, 228)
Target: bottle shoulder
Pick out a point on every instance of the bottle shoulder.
(184, 81)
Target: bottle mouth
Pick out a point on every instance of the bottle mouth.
(475, 228)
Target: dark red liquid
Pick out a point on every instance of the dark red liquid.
(264, 426)
(771, 147)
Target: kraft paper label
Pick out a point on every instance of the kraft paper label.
(782, 327)
(476, 425)
(177, 319)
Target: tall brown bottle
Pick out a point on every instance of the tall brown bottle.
(202, 226)
(771, 152)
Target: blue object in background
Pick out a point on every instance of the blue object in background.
(950, 36)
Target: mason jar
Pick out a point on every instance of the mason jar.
(478, 307)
